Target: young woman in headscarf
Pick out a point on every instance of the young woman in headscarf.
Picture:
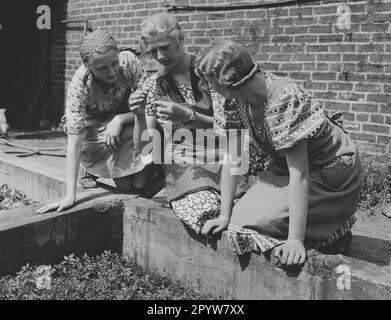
(308, 195)
(103, 135)
(177, 100)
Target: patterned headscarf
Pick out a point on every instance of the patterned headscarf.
(99, 41)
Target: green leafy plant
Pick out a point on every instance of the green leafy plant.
(108, 276)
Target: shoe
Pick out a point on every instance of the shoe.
(88, 181)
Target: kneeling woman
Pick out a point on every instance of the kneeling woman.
(308, 195)
(103, 135)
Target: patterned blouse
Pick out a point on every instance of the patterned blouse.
(291, 115)
(85, 99)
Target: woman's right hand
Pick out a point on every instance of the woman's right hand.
(214, 226)
(64, 204)
(137, 102)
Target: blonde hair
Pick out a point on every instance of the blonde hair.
(160, 25)
(227, 62)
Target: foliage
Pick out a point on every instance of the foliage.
(376, 183)
(11, 199)
(105, 277)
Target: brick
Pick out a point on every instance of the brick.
(301, 11)
(328, 95)
(284, 22)
(351, 96)
(380, 17)
(376, 128)
(292, 48)
(367, 87)
(321, 29)
(382, 98)
(270, 66)
(365, 107)
(362, 117)
(363, 137)
(255, 14)
(277, 12)
(370, 48)
(214, 33)
(299, 75)
(330, 38)
(385, 109)
(387, 88)
(378, 78)
(330, 19)
(324, 76)
(296, 30)
(374, 27)
(235, 15)
(349, 116)
(355, 57)
(197, 33)
(276, 30)
(388, 120)
(317, 48)
(198, 17)
(328, 57)
(216, 16)
(282, 39)
(325, 10)
(339, 106)
(280, 57)
(381, 37)
(316, 85)
(361, 37)
(377, 118)
(309, 66)
(343, 48)
(384, 139)
(303, 57)
(340, 86)
(306, 39)
(306, 21)
(290, 67)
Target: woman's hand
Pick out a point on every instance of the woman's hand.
(172, 111)
(292, 252)
(215, 225)
(64, 204)
(112, 133)
(137, 102)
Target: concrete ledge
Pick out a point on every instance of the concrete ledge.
(91, 227)
(158, 240)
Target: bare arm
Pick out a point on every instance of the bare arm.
(293, 251)
(71, 171)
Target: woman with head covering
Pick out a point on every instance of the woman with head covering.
(177, 100)
(308, 195)
(103, 135)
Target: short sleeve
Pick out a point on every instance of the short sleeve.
(149, 85)
(294, 116)
(133, 69)
(77, 99)
(227, 115)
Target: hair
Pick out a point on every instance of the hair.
(227, 62)
(160, 25)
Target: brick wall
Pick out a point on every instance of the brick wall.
(300, 41)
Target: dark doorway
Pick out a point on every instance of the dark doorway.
(22, 58)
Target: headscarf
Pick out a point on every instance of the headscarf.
(99, 41)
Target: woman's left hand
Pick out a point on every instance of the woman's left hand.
(112, 134)
(292, 252)
(172, 111)
(215, 225)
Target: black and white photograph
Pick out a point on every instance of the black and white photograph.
(191, 156)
